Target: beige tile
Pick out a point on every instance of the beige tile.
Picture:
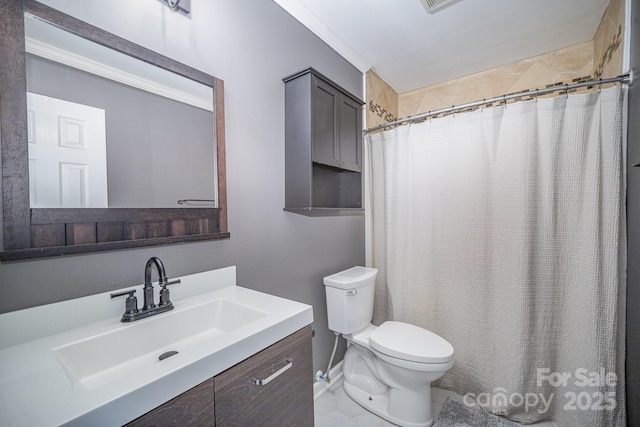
(612, 32)
(450, 91)
(568, 60)
(516, 69)
(381, 92)
(425, 100)
(499, 80)
(587, 70)
(609, 32)
(382, 101)
(615, 11)
(409, 102)
(537, 76)
(599, 35)
(598, 45)
(431, 102)
(613, 68)
(475, 92)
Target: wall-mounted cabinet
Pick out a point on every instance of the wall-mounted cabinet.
(323, 146)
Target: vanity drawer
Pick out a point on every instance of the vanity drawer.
(192, 408)
(285, 397)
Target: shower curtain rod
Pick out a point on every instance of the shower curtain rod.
(623, 79)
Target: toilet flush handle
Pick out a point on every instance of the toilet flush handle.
(352, 293)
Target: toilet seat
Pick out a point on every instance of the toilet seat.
(410, 343)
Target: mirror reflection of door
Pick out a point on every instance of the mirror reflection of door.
(67, 154)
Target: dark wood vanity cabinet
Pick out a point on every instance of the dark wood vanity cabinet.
(233, 398)
(323, 144)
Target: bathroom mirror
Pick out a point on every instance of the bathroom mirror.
(105, 129)
(176, 106)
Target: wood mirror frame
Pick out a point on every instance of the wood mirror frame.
(38, 233)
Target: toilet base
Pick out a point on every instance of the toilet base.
(379, 405)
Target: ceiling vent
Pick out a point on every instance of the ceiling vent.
(435, 5)
(182, 6)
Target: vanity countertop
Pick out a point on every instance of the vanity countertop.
(37, 389)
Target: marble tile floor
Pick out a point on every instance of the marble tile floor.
(335, 409)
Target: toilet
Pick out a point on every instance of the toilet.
(388, 369)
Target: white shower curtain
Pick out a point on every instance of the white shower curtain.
(503, 231)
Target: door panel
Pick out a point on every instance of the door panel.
(350, 134)
(67, 149)
(324, 117)
(73, 179)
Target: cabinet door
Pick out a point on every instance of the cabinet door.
(324, 115)
(350, 135)
(285, 400)
(194, 407)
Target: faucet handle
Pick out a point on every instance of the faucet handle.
(170, 282)
(131, 303)
(165, 298)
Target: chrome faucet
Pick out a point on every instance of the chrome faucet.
(149, 308)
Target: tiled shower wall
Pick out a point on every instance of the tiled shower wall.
(382, 101)
(607, 44)
(558, 66)
(598, 58)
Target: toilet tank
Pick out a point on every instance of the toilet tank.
(350, 299)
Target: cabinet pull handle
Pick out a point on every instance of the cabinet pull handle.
(275, 374)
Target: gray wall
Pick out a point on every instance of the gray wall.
(251, 45)
(633, 231)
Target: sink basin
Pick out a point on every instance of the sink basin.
(103, 358)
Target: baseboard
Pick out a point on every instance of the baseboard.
(320, 387)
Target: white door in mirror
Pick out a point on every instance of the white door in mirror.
(67, 154)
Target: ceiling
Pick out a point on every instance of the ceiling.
(410, 48)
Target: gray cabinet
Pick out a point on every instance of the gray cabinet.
(284, 397)
(323, 145)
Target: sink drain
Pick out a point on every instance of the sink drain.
(167, 354)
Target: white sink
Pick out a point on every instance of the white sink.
(101, 359)
(74, 363)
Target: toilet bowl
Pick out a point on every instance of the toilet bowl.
(388, 369)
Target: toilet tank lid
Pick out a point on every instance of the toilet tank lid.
(351, 278)
(410, 342)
